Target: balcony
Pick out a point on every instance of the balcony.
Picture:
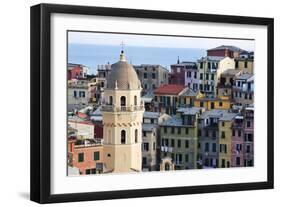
(112, 108)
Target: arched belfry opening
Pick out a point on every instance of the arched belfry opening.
(123, 101)
(123, 137)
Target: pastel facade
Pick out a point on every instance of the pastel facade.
(179, 139)
(210, 69)
(85, 155)
(222, 102)
(214, 133)
(227, 81)
(243, 90)
(168, 98)
(225, 51)
(151, 139)
(245, 62)
(77, 94)
(151, 77)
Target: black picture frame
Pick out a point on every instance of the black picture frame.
(40, 185)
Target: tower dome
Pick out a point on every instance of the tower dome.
(123, 76)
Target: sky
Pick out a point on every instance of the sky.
(155, 41)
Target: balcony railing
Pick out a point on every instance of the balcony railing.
(112, 108)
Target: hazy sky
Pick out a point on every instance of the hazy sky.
(155, 41)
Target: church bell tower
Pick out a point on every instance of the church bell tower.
(122, 112)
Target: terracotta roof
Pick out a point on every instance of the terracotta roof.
(169, 89)
(81, 115)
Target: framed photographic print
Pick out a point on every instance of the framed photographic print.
(132, 103)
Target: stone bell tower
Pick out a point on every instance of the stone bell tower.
(122, 113)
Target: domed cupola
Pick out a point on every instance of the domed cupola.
(123, 76)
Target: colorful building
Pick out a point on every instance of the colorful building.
(168, 98)
(151, 139)
(179, 139)
(184, 73)
(243, 90)
(151, 77)
(225, 51)
(227, 81)
(222, 102)
(85, 155)
(214, 133)
(210, 69)
(245, 62)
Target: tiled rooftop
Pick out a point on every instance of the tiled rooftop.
(169, 89)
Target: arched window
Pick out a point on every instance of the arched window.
(123, 137)
(136, 135)
(135, 100)
(123, 101)
(110, 100)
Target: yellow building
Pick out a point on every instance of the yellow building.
(222, 102)
(225, 134)
(122, 113)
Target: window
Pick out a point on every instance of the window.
(179, 130)
(88, 171)
(248, 124)
(201, 65)
(212, 105)
(214, 134)
(223, 134)
(144, 161)
(214, 147)
(145, 86)
(179, 143)
(236, 64)
(110, 100)
(199, 132)
(81, 157)
(186, 130)
(206, 147)
(136, 135)
(223, 163)
(123, 101)
(220, 103)
(153, 76)
(165, 129)
(212, 76)
(207, 76)
(245, 64)
(144, 133)
(172, 143)
(172, 130)
(195, 74)
(123, 137)
(144, 75)
(222, 123)
(201, 87)
(239, 133)
(201, 104)
(186, 143)
(233, 132)
(201, 76)
(248, 149)
(96, 155)
(81, 93)
(146, 146)
(75, 94)
(154, 146)
(153, 86)
(209, 65)
(135, 100)
(186, 157)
